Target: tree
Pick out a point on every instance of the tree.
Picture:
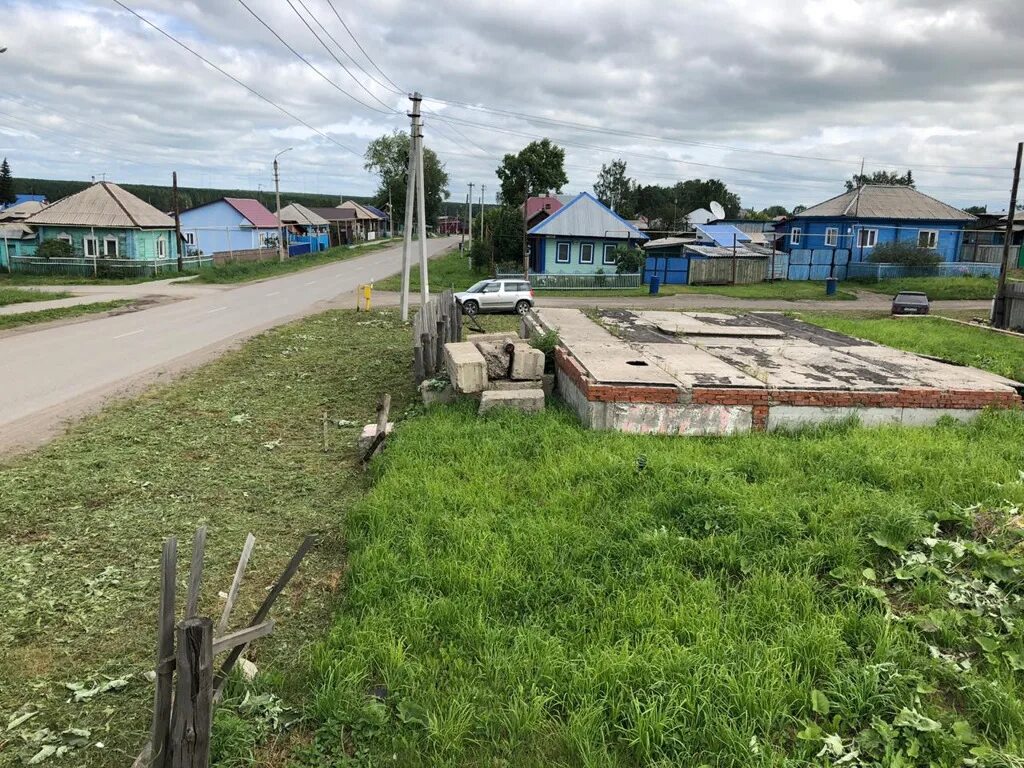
(500, 230)
(880, 177)
(388, 157)
(615, 189)
(798, 209)
(977, 210)
(539, 168)
(628, 261)
(698, 193)
(55, 249)
(6, 184)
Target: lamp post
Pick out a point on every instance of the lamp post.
(277, 193)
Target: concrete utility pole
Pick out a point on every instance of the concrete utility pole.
(177, 220)
(421, 205)
(410, 201)
(277, 194)
(1000, 317)
(483, 188)
(471, 185)
(462, 244)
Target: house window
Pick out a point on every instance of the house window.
(866, 238)
(110, 247)
(65, 237)
(608, 259)
(794, 236)
(586, 253)
(927, 238)
(831, 236)
(190, 238)
(161, 248)
(562, 253)
(92, 247)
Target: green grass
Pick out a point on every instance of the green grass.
(937, 288)
(20, 295)
(60, 313)
(8, 278)
(448, 270)
(236, 446)
(933, 336)
(784, 290)
(244, 271)
(524, 592)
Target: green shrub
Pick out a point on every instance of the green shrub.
(55, 249)
(546, 343)
(628, 261)
(905, 253)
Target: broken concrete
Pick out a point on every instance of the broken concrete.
(437, 392)
(526, 400)
(369, 433)
(498, 360)
(467, 368)
(527, 363)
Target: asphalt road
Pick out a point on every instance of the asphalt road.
(55, 374)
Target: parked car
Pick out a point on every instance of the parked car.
(910, 303)
(501, 295)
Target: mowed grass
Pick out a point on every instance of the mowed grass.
(933, 336)
(21, 295)
(244, 271)
(60, 313)
(524, 592)
(236, 446)
(937, 288)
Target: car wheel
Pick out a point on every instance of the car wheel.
(522, 307)
(470, 307)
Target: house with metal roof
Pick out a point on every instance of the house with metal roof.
(305, 230)
(21, 211)
(540, 208)
(580, 238)
(385, 225)
(858, 221)
(16, 239)
(107, 222)
(227, 225)
(367, 223)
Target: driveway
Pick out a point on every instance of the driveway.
(55, 374)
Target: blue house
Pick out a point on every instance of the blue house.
(229, 224)
(846, 229)
(580, 239)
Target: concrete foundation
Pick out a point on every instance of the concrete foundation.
(526, 400)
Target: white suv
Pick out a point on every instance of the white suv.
(505, 295)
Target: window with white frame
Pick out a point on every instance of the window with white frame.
(562, 253)
(795, 234)
(831, 236)
(927, 238)
(65, 237)
(867, 238)
(92, 247)
(608, 259)
(586, 253)
(161, 248)
(110, 248)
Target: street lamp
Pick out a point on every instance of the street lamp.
(277, 192)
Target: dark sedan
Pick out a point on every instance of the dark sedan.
(910, 303)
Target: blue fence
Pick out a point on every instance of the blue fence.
(818, 263)
(869, 271)
(670, 270)
(299, 249)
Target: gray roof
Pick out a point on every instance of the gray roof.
(15, 231)
(21, 210)
(103, 204)
(719, 252)
(586, 217)
(883, 201)
(300, 214)
(362, 212)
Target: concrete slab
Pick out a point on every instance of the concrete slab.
(694, 367)
(932, 373)
(685, 324)
(618, 363)
(526, 400)
(573, 326)
(467, 369)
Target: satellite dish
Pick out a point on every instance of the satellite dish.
(717, 209)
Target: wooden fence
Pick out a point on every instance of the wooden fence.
(437, 322)
(725, 271)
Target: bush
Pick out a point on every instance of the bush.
(905, 253)
(55, 249)
(628, 261)
(479, 255)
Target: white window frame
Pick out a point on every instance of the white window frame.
(608, 256)
(585, 259)
(832, 236)
(117, 247)
(867, 238)
(795, 235)
(66, 238)
(95, 247)
(161, 248)
(933, 238)
(558, 252)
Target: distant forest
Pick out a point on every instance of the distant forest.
(188, 197)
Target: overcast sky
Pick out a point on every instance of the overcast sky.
(936, 86)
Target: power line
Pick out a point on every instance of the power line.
(333, 55)
(358, 45)
(306, 61)
(234, 79)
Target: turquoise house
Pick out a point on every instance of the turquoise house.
(104, 221)
(580, 239)
(16, 239)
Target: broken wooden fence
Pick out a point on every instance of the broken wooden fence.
(438, 322)
(186, 686)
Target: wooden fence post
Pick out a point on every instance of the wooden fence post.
(193, 703)
(164, 651)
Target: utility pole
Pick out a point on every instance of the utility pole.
(483, 188)
(277, 194)
(410, 202)
(421, 201)
(177, 220)
(471, 185)
(1000, 317)
(462, 244)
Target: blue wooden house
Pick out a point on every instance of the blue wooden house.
(580, 239)
(854, 223)
(229, 224)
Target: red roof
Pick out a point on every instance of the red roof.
(535, 205)
(253, 210)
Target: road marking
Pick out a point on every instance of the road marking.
(130, 333)
(218, 309)
(273, 293)
(311, 282)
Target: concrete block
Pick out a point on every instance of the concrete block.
(507, 385)
(467, 369)
(437, 392)
(927, 417)
(497, 358)
(799, 416)
(527, 363)
(500, 336)
(526, 400)
(370, 432)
